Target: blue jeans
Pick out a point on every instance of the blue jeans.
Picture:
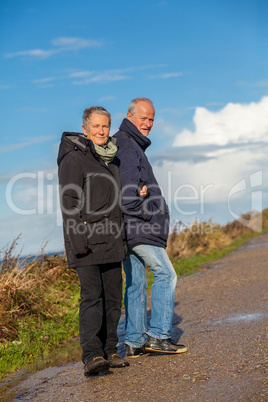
(162, 295)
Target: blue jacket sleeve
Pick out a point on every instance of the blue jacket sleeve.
(131, 174)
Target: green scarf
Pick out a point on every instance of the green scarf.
(108, 153)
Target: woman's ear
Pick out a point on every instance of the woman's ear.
(84, 131)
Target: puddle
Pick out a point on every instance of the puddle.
(254, 245)
(59, 356)
(256, 242)
(237, 318)
(71, 352)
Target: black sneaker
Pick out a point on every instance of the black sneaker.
(134, 352)
(117, 361)
(163, 346)
(96, 365)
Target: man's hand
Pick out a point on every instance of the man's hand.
(143, 192)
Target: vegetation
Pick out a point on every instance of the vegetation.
(39, 299)
(39, 304)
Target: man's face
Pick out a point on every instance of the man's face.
(143, 117)
(97, 129)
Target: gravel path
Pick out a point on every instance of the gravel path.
(221, 314)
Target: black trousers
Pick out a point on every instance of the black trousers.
(100, 309)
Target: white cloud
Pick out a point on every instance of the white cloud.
(163, 127)
(86, 77)
(176, 112)
(107, 98)
(101, 78)
(47, 82)
(166, 75)
(34, 109)
(262, 84)
(75, 43)
(258, 84)
(31, 207)
(235, 123)
(38, 53)
(28, 143)
(209, 184)
(44, 80)
(62, 44)
(89, 77)
(36, 231)
(226, 147)
(3, 86)
(33, 191)
(214, 104)
(81, 74)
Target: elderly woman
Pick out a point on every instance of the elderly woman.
(94, 234)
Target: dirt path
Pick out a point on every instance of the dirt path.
(221, 314)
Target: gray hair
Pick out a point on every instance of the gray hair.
(134, 102)
(95, 109)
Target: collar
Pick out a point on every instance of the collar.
(132, 130)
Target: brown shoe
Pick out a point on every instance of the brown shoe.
(117, 361)
(96, 365)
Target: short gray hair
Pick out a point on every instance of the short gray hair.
(95, 109)
(134, 102)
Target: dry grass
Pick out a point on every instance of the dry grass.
(199, 238)
(25, 289)
(205, 237)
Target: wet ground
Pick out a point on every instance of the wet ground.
(221, 314)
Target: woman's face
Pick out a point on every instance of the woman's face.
(97, 129)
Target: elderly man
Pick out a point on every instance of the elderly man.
(146, 217)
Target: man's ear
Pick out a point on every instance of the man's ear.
(129, 116)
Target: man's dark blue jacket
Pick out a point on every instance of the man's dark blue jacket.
(146, 218)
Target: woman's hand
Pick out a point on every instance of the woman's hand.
(83, 252)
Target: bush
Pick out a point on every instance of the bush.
(205, 237)
(29, 289)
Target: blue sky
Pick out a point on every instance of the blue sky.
(204, 65)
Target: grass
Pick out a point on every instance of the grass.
(39, 305)
(36, 341)
(39, 300)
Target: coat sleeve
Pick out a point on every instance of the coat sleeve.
(131, 176)
(71, 201)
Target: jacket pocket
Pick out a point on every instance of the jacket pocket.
(158, 205)
(94, 217)
(97, 232)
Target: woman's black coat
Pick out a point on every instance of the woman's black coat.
(90, 195)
